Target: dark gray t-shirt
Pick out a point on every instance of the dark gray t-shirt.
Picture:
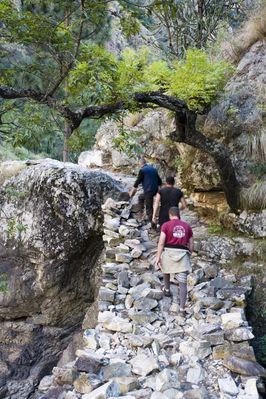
(170, 196)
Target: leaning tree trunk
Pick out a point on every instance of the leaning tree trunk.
(68, 130)
(187, 133)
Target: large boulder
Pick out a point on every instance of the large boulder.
(50, 233)
(50, 239)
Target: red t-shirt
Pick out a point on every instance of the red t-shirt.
(177, 233)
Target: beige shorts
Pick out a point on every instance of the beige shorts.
(175, 260)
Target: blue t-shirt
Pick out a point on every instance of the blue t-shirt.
(149, 178)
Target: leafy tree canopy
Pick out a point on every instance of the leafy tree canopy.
(53, 47)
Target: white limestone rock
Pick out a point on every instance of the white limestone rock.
(46, 383)
(105, 341)
(158, 395)
(114, 323)
(123, 257)
(144, 365)
(196, 374)
(87, 159)
(106, 295)
(232, 320)
(199, 349)
(91, 339)
(228, 386)
(250, 391)
(136, 252)
(110, 389)
(139, 340)
(112, 224)
(168, 378)
(115, 369)
(127, 384)
(239, 334)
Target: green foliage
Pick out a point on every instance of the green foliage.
(34, 127)
(11, 227)
(94, 70)
(129, 74)
(197, 79)
(232, 111)
(3, 282)
(14, 225)
(178, 162)
(179, 25)
(9, 153)
(49, 45)
(83, 138)
(215, 228)
(258, 169)
(14, 193)
(127, 142)
(130, 25)
(261, 348)
(157, 74)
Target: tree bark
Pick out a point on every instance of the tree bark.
(67, 133)
(187, 133)
(199, 35)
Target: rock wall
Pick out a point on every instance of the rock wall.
(239, 117)
(50, 239)
(153, 128)
(142, 347)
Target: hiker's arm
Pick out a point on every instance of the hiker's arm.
(191, 244)
(183, 203)
(160, 248)
(137, 182)
(132, 192)
(156, 207)
(159, 180)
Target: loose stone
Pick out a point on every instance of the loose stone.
(123, 257)
(107, 390)
(239, 334)
(127, 384)
(86, 383)
(117, 369)
(89, 364)
(245, 367)
(105, 294)
(168, 378)
(196, 374)
(232, 320)
(228, 385)
(144, 365)
(142, 317)
(64, 375)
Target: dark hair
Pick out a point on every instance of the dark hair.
(142, 161)
(170, 180)
(174, 211)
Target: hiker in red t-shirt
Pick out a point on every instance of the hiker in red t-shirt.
(173, 254)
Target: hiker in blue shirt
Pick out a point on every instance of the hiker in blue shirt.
(151, 181)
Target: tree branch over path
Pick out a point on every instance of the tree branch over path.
(185, 131)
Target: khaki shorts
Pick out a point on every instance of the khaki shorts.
(175, 260)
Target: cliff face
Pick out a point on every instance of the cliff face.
(239, 117)
(50, 239)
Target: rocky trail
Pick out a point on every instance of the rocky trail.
(142, 347)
